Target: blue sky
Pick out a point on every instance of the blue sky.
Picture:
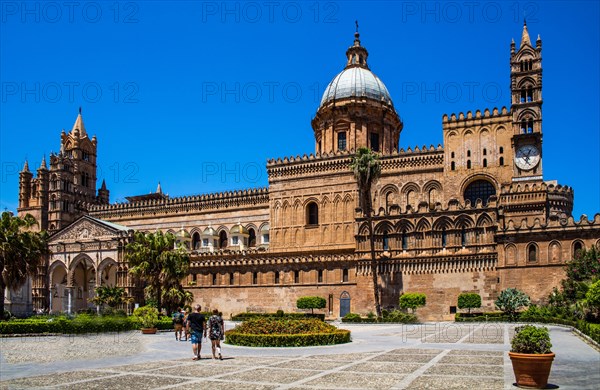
(198, 95)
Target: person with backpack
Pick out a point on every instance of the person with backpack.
(178, 323)
(216, 332)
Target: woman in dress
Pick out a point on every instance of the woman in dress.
(215, 328)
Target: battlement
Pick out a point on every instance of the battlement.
(564, 224)
(218, 200)
(495, 113)
(520, 188)
(417, 158)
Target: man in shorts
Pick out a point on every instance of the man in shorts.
(178, 323)
(196, 326)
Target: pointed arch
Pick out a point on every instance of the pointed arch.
(423, 225)
(554, 252)
(463, 221)
(382, 227)
(484, 220)
(442, 223)
(404, 226)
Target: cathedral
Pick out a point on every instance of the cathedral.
(473, 215)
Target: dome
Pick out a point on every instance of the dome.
(356, 82)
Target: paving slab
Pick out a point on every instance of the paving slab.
(380, 356)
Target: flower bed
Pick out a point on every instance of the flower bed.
(271, 332)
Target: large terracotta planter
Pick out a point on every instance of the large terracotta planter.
(531, 370)
(149, 330)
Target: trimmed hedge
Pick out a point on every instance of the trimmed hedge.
(394, 316)
(271, 332)
(81, 323)
(279, 314)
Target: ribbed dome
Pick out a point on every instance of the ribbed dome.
(356, 82)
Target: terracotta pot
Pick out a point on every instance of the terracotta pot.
(531, 370)
(149, 330)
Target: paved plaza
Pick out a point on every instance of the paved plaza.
(427, 356)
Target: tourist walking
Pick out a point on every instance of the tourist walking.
(185, 324)
(215, 326)
(177, 318)
(197, 328)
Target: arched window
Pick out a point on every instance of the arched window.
(374, 142)
(196, 241)
(345, 275)
(276, 277)
(231, 278)
(251, 237)
(214, 279)
(312, 214)
(468, 153)
(484, 151)
(485, 162)
(468, 164)
(386, 241)
(501, 150)
(532, 252)
(320, 276)
(577, 249)
(501, 160)
(463, 237)
(296, 276)
(452, 155)
(222, 239)
(404, 240)
(254, 277)
(452, 166)
(479, 189)
(341, 140)
(444, 237)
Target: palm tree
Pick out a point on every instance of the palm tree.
(367, 169)
(21, 252)
(155, 258)
(110, 296)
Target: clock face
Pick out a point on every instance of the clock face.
(527, 157)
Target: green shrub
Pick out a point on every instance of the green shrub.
(352, 317)
(469, 301)
(311, 303)
(511, 300)
(279, 313)
(147, 316)
(592, 296)
(400, 317)
(271, 332)
(531, 339)
(246, 316)
(82, 323)
(412, 301)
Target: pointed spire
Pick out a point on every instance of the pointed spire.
(103, 186)
(79, 125)
(525, 37)
(43, 164)
(25, 167)
(159, 189)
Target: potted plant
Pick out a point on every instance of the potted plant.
(148, 317)
(531, 356)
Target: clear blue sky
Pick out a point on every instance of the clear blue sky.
(198, 95)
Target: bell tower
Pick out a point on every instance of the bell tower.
(526, 108)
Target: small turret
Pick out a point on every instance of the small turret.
(103, 194)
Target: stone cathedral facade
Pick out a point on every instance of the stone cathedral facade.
(473, 215)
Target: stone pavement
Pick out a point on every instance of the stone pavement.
(428, 356)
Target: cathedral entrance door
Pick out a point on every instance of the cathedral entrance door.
(344, 304)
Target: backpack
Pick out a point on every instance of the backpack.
(178, 318)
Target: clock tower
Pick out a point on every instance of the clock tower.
(526, 108)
